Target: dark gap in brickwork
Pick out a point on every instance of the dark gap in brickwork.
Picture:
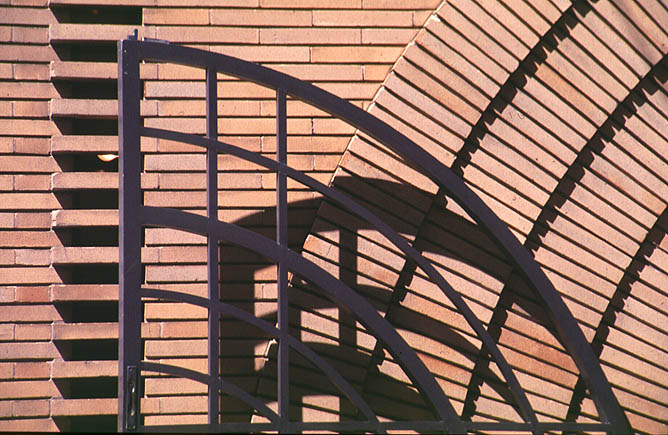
(87, 423)
(86, 51)
(92, 163)
(88, 350)
(83, 14)
(88, 273)
(94, 236)
(88, 311)
(85, 388)
(88, 89)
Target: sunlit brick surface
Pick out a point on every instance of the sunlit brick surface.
(554, 113)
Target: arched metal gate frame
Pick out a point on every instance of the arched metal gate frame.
(134, 216)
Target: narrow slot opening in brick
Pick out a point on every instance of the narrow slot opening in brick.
(97, 14)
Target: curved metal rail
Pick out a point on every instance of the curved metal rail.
(131, 52)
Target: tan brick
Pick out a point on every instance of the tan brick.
(96, 32)
(6, 183)
(310, 36)
(76, 218)
(367, 18)
(84, 255)
(7, 294)
(176, 16)
(7, 331)
(362, 54)
(31, 71)
(31, 109)
(33, 332)
(29, 275)
(19, 53)
(84, 292)
(26, 127)
(388, 36)
(30, 35)
(97, 331)
(215, 3)
(84, 180)
(28, 164)
(312, 4)
(29, 425)
(31, 370)
(5, 409)
(199, 35)
(13, 201)
(83, 369)
(31, 145)
(95, 108)
(31, 182)
(265, 53)
(32, 220)
(391, 4)
(32, 294)
(260, 17)
(30, 350)
(74, 407)
(95, 70)
(5, 33)
(30, 408)
(27, 16)
(7, 256)
(33, 257)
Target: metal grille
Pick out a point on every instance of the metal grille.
(134, 216)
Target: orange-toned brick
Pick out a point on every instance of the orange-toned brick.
(27, 201)
(26, 127)
(229, 35)
(26, 16)
(31, 71)
(35, 53)
(363, 54)
(30, 109)
(31, 182)
(7, 331)
(260, 17)
(26, 332)
(31, 145)
(265, 53)
(310, 36)
(30, 35)
(367, 18)
(176, 16)
(29, 425)
(388, 36)
(33, 257)
(75, 407)
(21, 351)
(32, 220)
(29, 275)
(32, 294)
(30, 408)
(96, 32)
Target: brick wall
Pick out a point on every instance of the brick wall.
(554, 113)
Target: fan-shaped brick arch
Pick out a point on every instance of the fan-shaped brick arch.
(556, 114)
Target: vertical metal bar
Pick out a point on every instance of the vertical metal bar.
(130, 230)
(282, 240)
(212, 242)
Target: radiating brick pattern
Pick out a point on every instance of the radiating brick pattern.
(554, 113)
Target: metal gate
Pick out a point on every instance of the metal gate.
(134, 216)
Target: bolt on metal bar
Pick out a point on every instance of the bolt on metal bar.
(282, 240)
(212, 241)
